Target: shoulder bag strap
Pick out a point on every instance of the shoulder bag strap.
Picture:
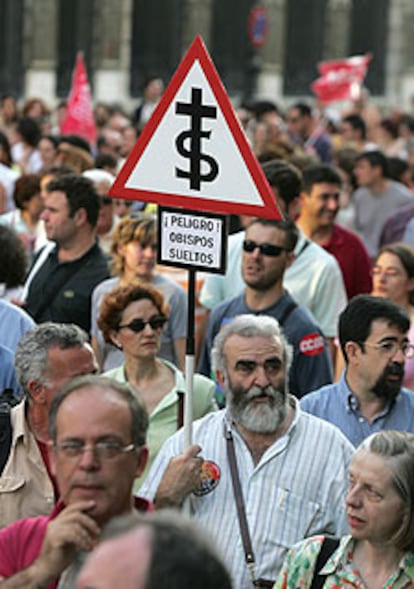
(329, 545)
(5, 434)
(241, 512)
(291, 307)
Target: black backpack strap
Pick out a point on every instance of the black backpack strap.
(306, 244)
(5, 434)
(291, 307)
(329, 545)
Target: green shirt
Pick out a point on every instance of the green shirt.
(163, 419)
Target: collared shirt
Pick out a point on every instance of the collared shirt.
(21, 542)
(25, 487)
(340, 571)
(14, 323)
(296, 489)
(339, 405)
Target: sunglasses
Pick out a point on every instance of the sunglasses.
(267, 249)
(105, 200)
(137, 325)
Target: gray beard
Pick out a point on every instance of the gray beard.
(260, 418)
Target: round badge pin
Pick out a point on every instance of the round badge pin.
(209, 478)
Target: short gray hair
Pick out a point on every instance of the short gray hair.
(397, 450)
(249, 325)
(181, 552)
(139, 415)
(31, 357)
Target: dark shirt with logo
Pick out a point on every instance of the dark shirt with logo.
(311, 367)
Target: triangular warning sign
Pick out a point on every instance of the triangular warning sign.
(193, 152)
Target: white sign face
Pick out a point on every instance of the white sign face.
(192, 152)
(192, 240)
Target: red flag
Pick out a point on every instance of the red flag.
(341, 79)
(79, 118)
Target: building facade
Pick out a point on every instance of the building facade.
(126, 42)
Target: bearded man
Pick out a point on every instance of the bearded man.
(373, 333)
(269, 474)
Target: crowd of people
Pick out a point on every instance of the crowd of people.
(300, 468)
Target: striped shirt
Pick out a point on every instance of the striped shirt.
(296, 489)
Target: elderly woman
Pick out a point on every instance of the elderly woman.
(134, 253)
(132, 317)
(379, 552)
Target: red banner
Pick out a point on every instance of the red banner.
(79, 117)
(341, 79)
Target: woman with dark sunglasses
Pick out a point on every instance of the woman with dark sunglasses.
(132, 317)
(134, 257)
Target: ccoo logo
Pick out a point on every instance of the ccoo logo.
(312, 344)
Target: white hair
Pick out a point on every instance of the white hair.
(96, 175)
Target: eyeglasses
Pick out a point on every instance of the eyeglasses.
(138, 325)
(267, 249)
(73, 449)
(391, 348)
(388, 272)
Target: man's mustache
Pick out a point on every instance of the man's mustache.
(267, 391)
(395, 369)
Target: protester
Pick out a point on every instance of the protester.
(97, 428)
(319, 208)
(313, 279)
(369, 395)
(267, 253)
(307, 131)
(379, 552)
(47, 357)
(376, 198)
(132, 317)
(63, 276)
(291, 466)
(25, 218)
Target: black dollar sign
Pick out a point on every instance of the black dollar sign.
(197, 112)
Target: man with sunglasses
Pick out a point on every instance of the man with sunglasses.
(369, 395)
(267, 253)
(314, 278)
(97, 431)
